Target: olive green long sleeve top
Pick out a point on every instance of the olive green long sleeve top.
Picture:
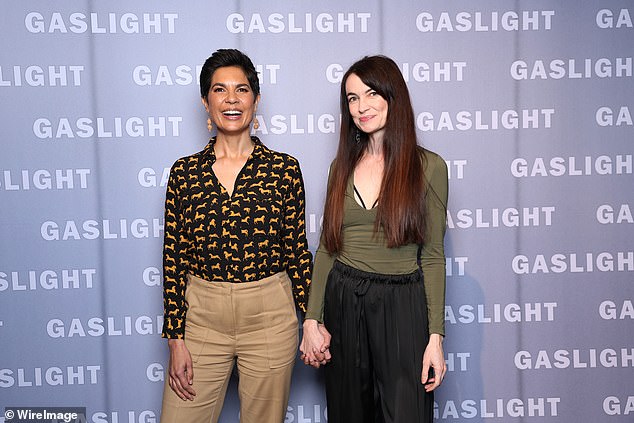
(364, 250)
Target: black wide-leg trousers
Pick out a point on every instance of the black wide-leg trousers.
(379, 333)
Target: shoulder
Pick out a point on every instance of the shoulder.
(431, 158)
(186, 168)
(290, 163)
(436, 174)
(433, 164)
(189, 160)
(182, 164)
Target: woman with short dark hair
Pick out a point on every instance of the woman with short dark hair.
(235, 255)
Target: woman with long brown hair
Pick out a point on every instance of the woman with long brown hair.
(376, 304)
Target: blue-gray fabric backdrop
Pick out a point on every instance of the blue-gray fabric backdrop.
(530, 103)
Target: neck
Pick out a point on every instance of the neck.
(375, 145)
(232, 146)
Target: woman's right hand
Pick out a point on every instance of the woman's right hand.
(315, 343)
(181, 372)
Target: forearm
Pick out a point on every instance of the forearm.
(323, 264)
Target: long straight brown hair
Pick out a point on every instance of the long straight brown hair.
(400, 210)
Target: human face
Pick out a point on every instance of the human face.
(230, 102)
(367, 108)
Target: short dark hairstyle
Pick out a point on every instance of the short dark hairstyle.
(228, 57)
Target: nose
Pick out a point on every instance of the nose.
(231, 98)
(362, 107)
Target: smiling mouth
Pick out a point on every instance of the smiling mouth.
(232, 113)
(365, 118)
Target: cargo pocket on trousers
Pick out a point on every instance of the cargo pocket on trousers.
(195, 338)
(282, 333)
(195, 334)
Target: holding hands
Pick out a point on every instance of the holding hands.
(315, 346)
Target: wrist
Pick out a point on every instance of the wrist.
(436, 339)
(176, 343)
(310, 324)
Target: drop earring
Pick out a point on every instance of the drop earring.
(357, 137)
(256, 124)
(209, 125)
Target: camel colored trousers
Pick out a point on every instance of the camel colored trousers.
(253, 324)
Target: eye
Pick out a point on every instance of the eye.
(243, 90)
(351, 99)
(218, 89)
(373, 93)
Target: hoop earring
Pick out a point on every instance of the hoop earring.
(209, 125)
(256, 124)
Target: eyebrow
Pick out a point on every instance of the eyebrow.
(353, 93)
(242, 84)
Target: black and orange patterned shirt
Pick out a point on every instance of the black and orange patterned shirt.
(255, 233)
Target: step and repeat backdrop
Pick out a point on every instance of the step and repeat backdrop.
(531, 104)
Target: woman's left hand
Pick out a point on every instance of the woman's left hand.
(315, 345)
(435, 359)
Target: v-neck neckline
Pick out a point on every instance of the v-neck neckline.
(356, 191)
